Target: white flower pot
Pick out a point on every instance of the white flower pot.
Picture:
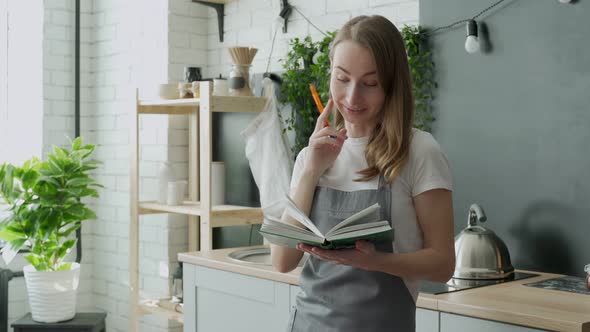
(52, 295)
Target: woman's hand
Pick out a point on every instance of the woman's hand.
(324, 144)
(363, 256)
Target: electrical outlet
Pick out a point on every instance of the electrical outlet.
(164, 271)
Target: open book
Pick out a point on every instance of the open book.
(363, 225)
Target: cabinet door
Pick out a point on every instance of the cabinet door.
(457, 323)
(225, 301)
(294, 290)
(426, 320)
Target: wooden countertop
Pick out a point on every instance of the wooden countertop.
(509, 302)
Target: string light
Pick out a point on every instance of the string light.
(472, 40)
(472, 44)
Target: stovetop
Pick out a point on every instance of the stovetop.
(454, 285)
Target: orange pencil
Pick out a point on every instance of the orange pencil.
(318, 102)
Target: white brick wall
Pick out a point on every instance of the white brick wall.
(139, 51)
(130, 50)
(58, 63)
(247, 25)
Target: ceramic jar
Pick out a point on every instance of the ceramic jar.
(165, 175)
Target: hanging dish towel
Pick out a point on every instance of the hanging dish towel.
(269, 153)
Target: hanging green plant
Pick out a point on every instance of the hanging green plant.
(308, 62)
(422, 72)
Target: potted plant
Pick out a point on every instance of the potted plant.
(44, 210)
(308, 62)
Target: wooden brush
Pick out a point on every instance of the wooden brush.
(241, 55)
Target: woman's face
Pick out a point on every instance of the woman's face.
(355, 86)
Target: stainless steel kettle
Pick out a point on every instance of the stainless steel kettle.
(480, 253)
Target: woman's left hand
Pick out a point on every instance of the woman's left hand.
(363, 256)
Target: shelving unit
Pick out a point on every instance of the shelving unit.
(202, 217)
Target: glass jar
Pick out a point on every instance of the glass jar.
(587, 269)
(192, 74)
(239, 80)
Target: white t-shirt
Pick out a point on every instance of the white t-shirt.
(427, 168)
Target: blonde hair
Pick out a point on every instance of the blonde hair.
(388, 148)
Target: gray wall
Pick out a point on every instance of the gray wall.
(515, 124)
(240, 188)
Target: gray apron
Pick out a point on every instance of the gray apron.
(342, 298)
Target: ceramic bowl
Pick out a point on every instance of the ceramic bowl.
(168, 91)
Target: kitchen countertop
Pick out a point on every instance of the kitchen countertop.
(509, 302)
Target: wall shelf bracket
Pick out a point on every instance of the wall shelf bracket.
(219, 8)
(285, 12)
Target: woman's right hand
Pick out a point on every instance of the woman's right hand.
(324, 144)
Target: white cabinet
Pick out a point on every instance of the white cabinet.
(458, 323)
(294, 290)
(427, 320)
(219, 301)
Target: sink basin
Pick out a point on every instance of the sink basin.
(256, 256)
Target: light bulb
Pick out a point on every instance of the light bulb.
(471, 44)
(472, 41)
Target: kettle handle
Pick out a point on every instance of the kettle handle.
(476, 214)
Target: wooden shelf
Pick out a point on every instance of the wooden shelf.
(221, 215)
(187, 102)
(168, 106)
(202, 216)
(227, 104)
(237, 104)
(148, 308)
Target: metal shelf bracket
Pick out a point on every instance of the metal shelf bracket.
(219, 8)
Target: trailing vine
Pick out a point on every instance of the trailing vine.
(307, 62)
(422, 72)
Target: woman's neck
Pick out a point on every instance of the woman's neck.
(358, 130)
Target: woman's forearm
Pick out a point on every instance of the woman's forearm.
(424, 264)
(286, 259)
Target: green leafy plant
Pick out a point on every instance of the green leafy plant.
(422, 72)
(301, 70)
(307, 62)
(44, 204)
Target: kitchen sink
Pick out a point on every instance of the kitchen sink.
(256, 256)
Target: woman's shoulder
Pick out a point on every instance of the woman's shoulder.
(428, 166)
(423, 142)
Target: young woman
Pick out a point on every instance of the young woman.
(376, 157)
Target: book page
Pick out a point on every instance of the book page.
(354, 228)
(287, 229)
(360, 233)
(369, 214)
(294, 212)
(285, 241)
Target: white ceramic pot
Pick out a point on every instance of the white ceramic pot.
(52, 294)
(165, 175)
(217, 183)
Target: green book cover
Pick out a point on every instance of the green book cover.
(363, 225)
